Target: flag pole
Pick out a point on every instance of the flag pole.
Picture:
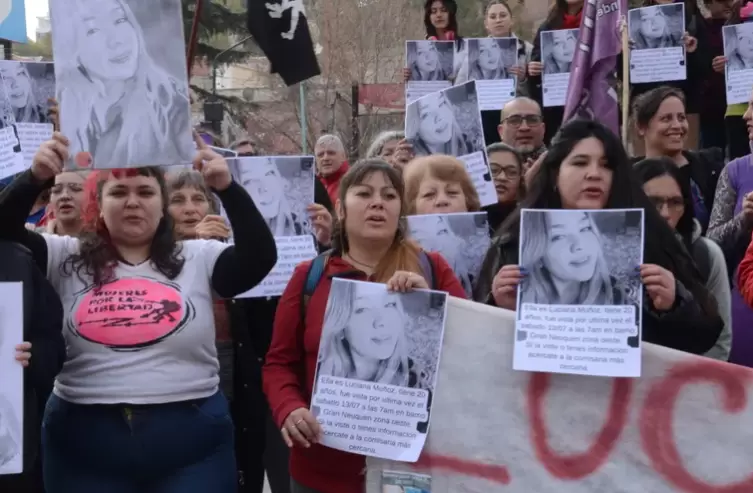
(625, 81)
(192, 40)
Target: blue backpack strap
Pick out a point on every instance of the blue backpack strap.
(313, 276)
(427, 267)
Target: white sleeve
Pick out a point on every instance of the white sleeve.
(59, 248)
(205, 252)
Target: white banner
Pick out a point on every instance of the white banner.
(684, 426)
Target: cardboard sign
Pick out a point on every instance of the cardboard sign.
(683, 426)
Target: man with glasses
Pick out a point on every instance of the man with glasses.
(522, 127)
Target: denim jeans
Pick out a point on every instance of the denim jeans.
(182, 447)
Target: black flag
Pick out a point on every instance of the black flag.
(281, 30)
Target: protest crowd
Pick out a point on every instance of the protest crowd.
(147, 369)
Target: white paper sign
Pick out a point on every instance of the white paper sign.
(490, 64)
(579, 306)
(557, 52)
(449, 122)
(31, 136)
(657, 48)
(462, 240)
(377, 368)
(291, 251)
(431, 65)
(11, 162)
(738, 49)
(11, 380)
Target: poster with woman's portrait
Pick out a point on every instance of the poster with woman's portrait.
(462, 239)
(11, 157)
(557, 52)
(11, 383)
(28, 88)
(121, 86)
(449, 122)
(738, 49)
(657, 44)
(579, 305)
(431, 65)
(377, 368)
(490, 64)
(282, 187)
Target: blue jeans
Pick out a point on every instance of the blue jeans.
(182, 447)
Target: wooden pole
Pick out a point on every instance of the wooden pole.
(625, 82)
(193, 39)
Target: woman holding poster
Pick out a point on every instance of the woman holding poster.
(369, 243)
(587, 168)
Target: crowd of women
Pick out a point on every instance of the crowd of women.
(164, 383)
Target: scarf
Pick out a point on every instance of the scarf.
(572, 21)
(448, 36)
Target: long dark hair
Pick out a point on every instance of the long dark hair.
(403, 254)
(452, 24)
(651, 168)
(662, 247)
(98, 257)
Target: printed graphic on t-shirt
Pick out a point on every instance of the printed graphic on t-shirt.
(130, 313)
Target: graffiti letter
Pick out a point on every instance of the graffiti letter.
(580, 465)
(657, 416)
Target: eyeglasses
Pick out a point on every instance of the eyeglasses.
(672, 203)
(507, 171)
(517, 120)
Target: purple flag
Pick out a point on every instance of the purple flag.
(591, 92)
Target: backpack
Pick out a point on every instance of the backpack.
(316, 271)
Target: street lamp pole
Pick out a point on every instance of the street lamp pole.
(217, 57)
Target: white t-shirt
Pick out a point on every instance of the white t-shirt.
(143, 338)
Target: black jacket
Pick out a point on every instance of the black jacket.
(43, 323)
(251, 321)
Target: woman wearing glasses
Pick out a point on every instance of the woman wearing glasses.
(667, 188)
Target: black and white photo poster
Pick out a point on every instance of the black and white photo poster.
(121, 86)
(579, 306)
(738, 49)
(557, 52)
(431, 65)
(461, 238)
(490, 64)
(11, 157)
(29, 87)
(11, 383)
(377, 368)
(282, 187)
(657, 46)
(449, 122)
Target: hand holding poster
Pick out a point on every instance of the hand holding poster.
(557, 52)
(431, 65)
(449, 122)
(377, 368)
(11, 383)
(579, 308)
(738, 49)
(657, 44)
(462, 239)
(682, 427)
(490, 64)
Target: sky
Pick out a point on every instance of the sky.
(34, 9)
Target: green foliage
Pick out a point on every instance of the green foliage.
(41, 47)
(219, 27)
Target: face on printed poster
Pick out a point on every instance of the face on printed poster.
(680, 427)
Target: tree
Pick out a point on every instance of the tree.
(42, 47)
(219, 25)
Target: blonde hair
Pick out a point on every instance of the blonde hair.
(441, 167)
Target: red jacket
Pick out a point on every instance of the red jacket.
(332, 182)
(291, 364)
(745, 276)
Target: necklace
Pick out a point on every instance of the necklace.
(350, 257)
